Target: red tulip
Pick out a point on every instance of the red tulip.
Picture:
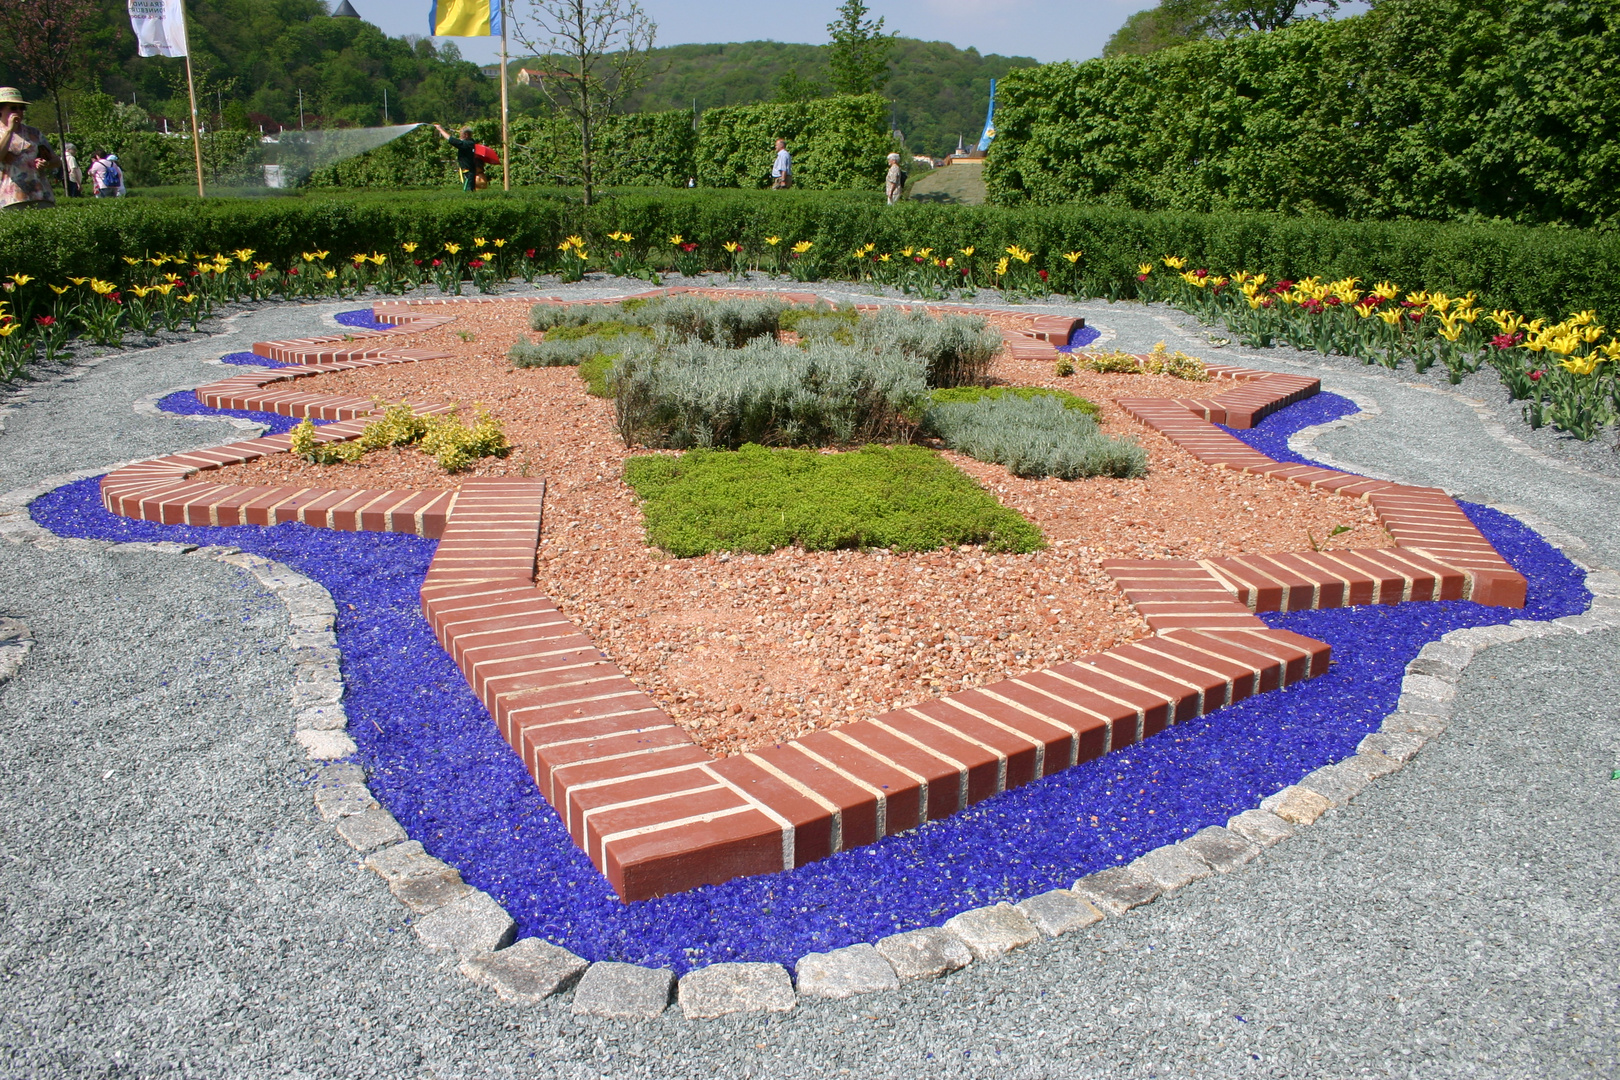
(45, 320)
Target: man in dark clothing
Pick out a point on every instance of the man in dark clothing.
(466, 160)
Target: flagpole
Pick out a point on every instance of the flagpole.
(506, 153)
(191, 88)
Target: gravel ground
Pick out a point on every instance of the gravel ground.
(173, 907)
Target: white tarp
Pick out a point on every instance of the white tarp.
(160, 26)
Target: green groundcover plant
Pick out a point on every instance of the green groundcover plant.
(757, 499)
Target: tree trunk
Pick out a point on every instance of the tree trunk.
(61, 137)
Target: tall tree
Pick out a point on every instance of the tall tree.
(1176, 22)
(599, 51)
(45, 37)
(858, 58)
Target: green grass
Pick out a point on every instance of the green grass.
(595, 372)
(904, 498)
(957, 395)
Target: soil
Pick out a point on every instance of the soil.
(746, 650)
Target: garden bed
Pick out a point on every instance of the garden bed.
(746, 650)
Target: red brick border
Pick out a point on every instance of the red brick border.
(657, 814)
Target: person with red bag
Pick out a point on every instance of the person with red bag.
(470, 158)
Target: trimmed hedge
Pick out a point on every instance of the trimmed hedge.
(836, 142)
(1427, 109)
(1542, 272)
(635, 150)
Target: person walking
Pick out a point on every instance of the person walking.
(98, 175)
(24, 157)
(75, 175)
(466, 156)
(782, 170)
(115, 177)
(895, 181)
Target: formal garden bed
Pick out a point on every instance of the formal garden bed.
(747, 648)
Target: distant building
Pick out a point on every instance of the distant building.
(345, 10)
(491, 71)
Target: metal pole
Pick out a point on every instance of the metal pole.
(191, 88)
(506, 152)
(385, 106)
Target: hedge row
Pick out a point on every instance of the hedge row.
(1426, 109)
(151, 159)
(635, 150)
(837, 142)
(1539, 271)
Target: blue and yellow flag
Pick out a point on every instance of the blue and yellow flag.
(465, 18)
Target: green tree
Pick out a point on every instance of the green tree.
(794, 87)
(1173, 22)
(596, 56)
(858, 58)
(1176, 22)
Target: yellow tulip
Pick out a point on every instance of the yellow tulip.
(1386, 289)
(966, 253)
(409, 246)
(78, 280)
(1073, 256)
(187, 298)
(773, 240)
(21, 279)
(1175, 262)
(885, 257)
(925, 252)
(1391, 317)
(677, 240)
(502, 243)
(1584, 318)
(1001, 265)
(261, 267)
(733, 247)
(59, 289)
(1364, 309)
(378, 257)
(1580, 365)
(802, 246)
(102, 287)
(1144, 268)
(478, 241)
(330, 274)
(455, 248)
(243, 254)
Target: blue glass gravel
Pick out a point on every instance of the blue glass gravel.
(185, 403)
(1080, 337)
(362, 319)
(247, 359)
(439, 765)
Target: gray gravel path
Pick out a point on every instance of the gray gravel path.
(174, 907)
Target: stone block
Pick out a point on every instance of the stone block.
(427, 892)
(1118, 889)
(468, 926)
(1435, 668)
(1223, 849)
(322, 718)
(1425, 706)
(1536, 628)
(1399, 746)
(341, 775)
(1428, 686)
(1297, 805)
(1372, 766)
(989, 932)
(370, 830)
(1059, 911)
(1443, 652)
(1261, 826)
(397, 861)
(1603, 583)
(722, 989)
(1172, 867)
(527, 972)
(1585, 624)
(624, 991)
(326, 745)
(338, 801)
(1338, 783)
(1420, 724)
(924, 954)
(842, 973)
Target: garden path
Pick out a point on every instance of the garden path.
(173, 904)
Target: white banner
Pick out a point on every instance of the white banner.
(160, 26)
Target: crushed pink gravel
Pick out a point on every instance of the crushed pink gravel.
(745, 650)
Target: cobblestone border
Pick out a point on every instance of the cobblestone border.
(470, 926)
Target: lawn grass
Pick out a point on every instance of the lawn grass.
(955, 395)
(904, 498)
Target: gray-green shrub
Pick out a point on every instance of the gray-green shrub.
(957, 349)
(730, 322)
(693, 394)
(1034, 437)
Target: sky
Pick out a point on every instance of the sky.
(1045, 29)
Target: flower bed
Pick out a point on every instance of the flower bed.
(868, 631)
(441, 768)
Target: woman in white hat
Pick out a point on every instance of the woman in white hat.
(24, 154)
